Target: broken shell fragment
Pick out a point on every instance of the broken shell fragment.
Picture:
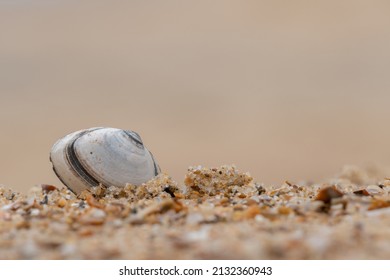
(107, 156)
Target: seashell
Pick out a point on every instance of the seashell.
(107, 156)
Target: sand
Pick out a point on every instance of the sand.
(216, 213)
(287, 90)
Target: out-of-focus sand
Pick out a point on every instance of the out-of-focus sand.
(284, 89)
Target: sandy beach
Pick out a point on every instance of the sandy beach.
(294, 92)
(217, 213)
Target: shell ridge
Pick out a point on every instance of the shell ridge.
(75, 162)
(156, 167)
(59, 177)
(134, 136)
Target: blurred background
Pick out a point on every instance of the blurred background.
(283, 89)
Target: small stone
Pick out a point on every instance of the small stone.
(34, 212)
(251, 212)
(62, 202)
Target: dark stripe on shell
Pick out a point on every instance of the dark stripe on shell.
(135, 138)
(75, 163)
(59, 177)
(156, 167)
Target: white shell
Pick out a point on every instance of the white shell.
(108, 156)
